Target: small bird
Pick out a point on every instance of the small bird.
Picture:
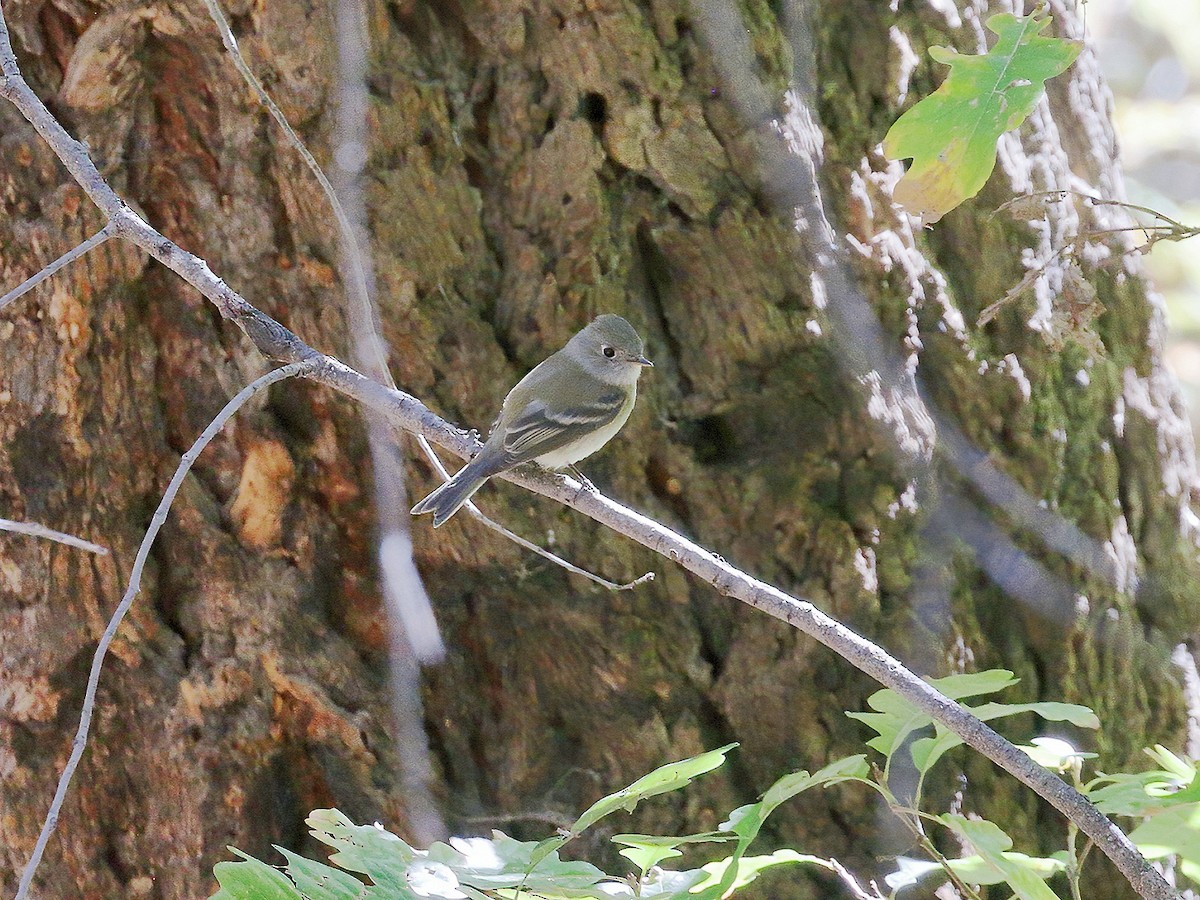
(567, 408)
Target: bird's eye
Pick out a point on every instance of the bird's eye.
(608, 351)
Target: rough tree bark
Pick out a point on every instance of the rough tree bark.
(536, 162)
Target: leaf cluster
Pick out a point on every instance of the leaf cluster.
(370, 862)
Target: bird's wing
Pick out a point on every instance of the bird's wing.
(537, 430)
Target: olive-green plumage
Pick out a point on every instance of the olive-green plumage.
(566, 409)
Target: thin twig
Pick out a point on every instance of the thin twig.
(407, 412)
(70, 256)
(1171, 230)
(481, 517)
(1180, 231)
(135, 578)
(912, 820)
(36, 530)
(990, 311)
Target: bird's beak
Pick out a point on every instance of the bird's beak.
(642, 361)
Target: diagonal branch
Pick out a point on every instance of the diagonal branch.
(407, 412)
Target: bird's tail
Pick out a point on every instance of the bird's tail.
(446, 500)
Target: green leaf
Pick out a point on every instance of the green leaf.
(503, 868)
(849, 768)
(747, 821)
(663, 779)
(1180, 768)
(974, 869)
(1145, 793)
(666, 778)
(503, 862)
(663, 884)
(1176, 831)
(646, 850)
(951, 135)
(895, 718)
(1055, 754)
(748, 868)
(978, 870)
(1124, 793)
(546, 848)
(252, 880)
(993, 846)
(1050, 710)
(911, 871)
(317, 881)
(367, 849)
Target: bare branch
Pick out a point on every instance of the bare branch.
(405, 411)
(1166, 229)
(70, 256)
(990, 311)
(135, 580)
(36, 530)
(483, 519)
(1169, 229)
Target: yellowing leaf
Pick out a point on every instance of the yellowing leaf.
(951, 135)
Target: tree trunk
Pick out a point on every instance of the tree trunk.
(535, 163)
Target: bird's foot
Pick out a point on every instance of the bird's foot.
(583, 480)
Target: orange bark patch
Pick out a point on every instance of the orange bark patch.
(70, 318)
(263, 492)
(303, 709)
(318, 271)
(24, 699)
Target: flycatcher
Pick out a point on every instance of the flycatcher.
(567, 408)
